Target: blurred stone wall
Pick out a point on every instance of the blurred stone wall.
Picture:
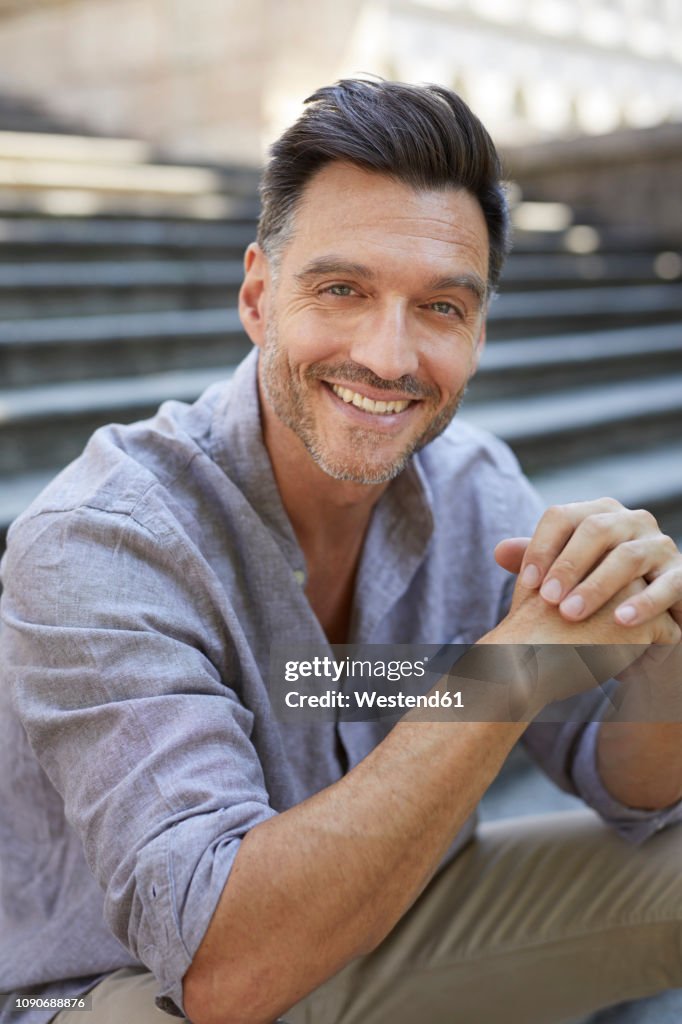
(220, 78)
(193, 76)
(632, 179)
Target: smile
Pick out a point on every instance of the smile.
(368, 404)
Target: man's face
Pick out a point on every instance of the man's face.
(374, 320)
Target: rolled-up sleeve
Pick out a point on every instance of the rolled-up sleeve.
(114, 680)
(632, 823)
(567, 751)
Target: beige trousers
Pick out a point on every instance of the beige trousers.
(539, 920)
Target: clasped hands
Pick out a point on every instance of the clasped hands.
(595, 573)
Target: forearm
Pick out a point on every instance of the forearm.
(640, 763)
(325, 881)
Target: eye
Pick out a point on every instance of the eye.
(445, 309)
(342, 290)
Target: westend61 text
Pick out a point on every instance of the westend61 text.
(371, 699)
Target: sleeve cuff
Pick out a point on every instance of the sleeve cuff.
(633, 824)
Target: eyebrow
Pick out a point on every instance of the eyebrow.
(472, 283)
(335, 265)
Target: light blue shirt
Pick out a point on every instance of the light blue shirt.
(143, 591)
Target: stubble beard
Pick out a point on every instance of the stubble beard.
(288, 397)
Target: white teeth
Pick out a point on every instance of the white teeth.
(368, 404)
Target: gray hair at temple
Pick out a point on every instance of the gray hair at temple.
(424, 136)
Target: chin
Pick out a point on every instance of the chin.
(358, 471)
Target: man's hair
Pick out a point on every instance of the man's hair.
(424, 136)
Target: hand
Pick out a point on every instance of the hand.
(570, 657)
(581, 555)
(649, 689)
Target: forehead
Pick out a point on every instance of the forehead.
(348, 210)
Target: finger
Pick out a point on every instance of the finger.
(601, 572)
(662, 594)
(552, 533)
(594, 537)
(509, 553)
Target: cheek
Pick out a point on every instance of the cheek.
(450, 370)
(311, 339)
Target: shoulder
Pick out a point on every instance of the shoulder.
(465, 449)
(474, 474)
(128, 471)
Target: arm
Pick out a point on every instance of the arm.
(640, 763)
(591, 550)
(639, 745)
(326, 881)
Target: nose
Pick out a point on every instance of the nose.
(385, 343)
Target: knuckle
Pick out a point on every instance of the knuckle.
(672, 634)
(556, 514)
(595, 526)
(610, 504)
(565, 567)
(670, 547)
(634, 587)
(645, 519)
(646, 604)
(634, 553)
(674, 575)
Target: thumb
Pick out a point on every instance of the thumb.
(509, 553)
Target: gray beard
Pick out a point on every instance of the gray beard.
(283, 392)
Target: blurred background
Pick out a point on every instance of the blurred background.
(131, 135)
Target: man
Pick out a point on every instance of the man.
(169, 838)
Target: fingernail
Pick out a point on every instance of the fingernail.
(626, 613)
(530, 576)
(573, 606)
(551, 590)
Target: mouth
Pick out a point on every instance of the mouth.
(376, 407)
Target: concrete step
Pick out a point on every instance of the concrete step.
(25, 115)
(84, 288)
(48, 426)
(543, 312)
(589, 237)
(514, 368)
(52, 350)
(72, 148)
(649, 478)
(529, 271)
(67, 185)
(57, 239)
(562, 427)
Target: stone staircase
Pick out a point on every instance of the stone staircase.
(582, 375)
(118, 281)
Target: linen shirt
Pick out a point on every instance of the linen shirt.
(143, 592)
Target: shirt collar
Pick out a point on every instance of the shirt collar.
(237, 446)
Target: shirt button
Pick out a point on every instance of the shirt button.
(299, 576)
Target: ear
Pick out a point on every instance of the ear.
(253, 293)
